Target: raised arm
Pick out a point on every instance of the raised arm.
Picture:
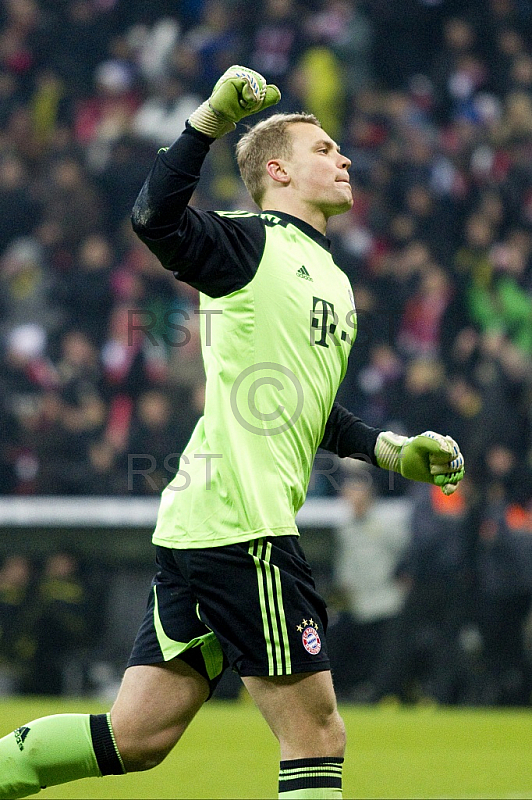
(215, 254)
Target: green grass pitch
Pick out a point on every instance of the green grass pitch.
(228, 752)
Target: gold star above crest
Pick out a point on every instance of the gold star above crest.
(305, 623)
(311, 622)
(300, 628)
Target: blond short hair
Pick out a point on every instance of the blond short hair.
(268, 139)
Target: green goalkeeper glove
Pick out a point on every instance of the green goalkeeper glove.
(239, 92)
(429, 457)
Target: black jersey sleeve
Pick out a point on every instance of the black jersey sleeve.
(214, 253)
(347, 436)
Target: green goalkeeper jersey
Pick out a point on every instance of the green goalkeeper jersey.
(278, 322)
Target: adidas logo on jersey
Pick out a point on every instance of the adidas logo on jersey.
(303, 272)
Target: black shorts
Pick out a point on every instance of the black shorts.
(252, 606)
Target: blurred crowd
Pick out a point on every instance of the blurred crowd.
(432, 101)
(101, 379)
(430, 600)
(51, 612)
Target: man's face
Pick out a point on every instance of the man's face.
(318, 171)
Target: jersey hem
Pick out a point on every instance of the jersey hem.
(205, 540)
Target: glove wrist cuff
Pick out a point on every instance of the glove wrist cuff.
(210, 122)
(388, 450)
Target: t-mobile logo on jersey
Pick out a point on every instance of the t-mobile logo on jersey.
(324, 320)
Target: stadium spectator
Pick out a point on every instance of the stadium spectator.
(118, 179)
(68, 195)
(425, 660)
(27, 287)
(17, 206)
(26, 368)
(504, 585)
(151, 464)
(368, 550)
(161, 115)
(378, 384)
(216, 42)
(84, 293)
(346, 29)
(277, 41)
(422, 398)
(58, 436)
(17, 643)
(419, 330)
(64, 619)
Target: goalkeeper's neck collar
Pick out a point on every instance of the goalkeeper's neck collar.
(303, 226)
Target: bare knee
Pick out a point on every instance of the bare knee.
(328, 736)
(142, 753)
(335, 734)
(316, 732)
(301, 711)
(142, 744)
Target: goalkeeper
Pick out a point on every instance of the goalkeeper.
(233, 588)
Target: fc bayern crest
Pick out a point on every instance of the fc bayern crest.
(311, 641)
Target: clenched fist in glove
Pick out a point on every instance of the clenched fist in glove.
(428, 457)
(239, 93)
